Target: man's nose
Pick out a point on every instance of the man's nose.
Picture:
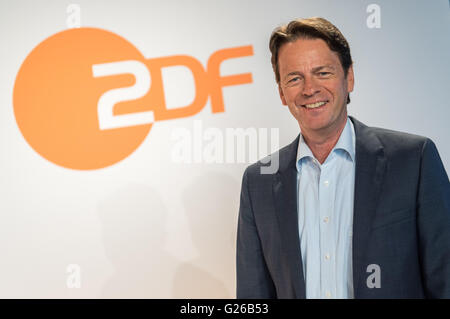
(310, 87)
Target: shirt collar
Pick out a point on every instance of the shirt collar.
(346, 142)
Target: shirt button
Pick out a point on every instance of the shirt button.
(326, 219)
(327, 256)
(326, 183)
(328, 294)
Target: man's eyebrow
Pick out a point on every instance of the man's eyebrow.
(321, 67)
(314, 70)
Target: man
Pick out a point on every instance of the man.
(353, 211)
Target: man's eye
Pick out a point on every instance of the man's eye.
(324, 73)
(293, 79)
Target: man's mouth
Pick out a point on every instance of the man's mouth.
(314, 105)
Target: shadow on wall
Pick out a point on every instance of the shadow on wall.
(133, 235)
(211, 202)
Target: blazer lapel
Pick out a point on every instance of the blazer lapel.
(369, 172)
(285, 198)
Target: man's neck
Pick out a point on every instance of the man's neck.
(321, 143)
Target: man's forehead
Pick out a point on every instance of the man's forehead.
(310, 65)
(301, 44)
(307, 53)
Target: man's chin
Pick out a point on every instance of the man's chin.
(316, 127)
(313, 123)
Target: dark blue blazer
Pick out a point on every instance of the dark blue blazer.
(401, 221)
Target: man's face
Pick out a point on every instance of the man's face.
(313, 85)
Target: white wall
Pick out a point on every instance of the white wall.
(147, 226)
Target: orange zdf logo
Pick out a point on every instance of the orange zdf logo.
(86, 98)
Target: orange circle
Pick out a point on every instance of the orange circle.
(55, 99)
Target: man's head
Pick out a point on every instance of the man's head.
(312, 63)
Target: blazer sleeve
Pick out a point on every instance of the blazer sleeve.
(433, 220)
(253, 280)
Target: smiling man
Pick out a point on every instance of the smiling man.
(353, 211)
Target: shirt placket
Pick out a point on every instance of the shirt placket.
(326, 222)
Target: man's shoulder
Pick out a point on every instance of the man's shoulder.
(279, 159)
(392, 141)
(395, 141)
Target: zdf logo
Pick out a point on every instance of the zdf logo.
(86, 98)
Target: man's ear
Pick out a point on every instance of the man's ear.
(350, 79)
(283, 99)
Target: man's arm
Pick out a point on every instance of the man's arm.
(433, 220)
(253, 278)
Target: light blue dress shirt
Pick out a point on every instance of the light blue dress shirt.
(325, 217)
